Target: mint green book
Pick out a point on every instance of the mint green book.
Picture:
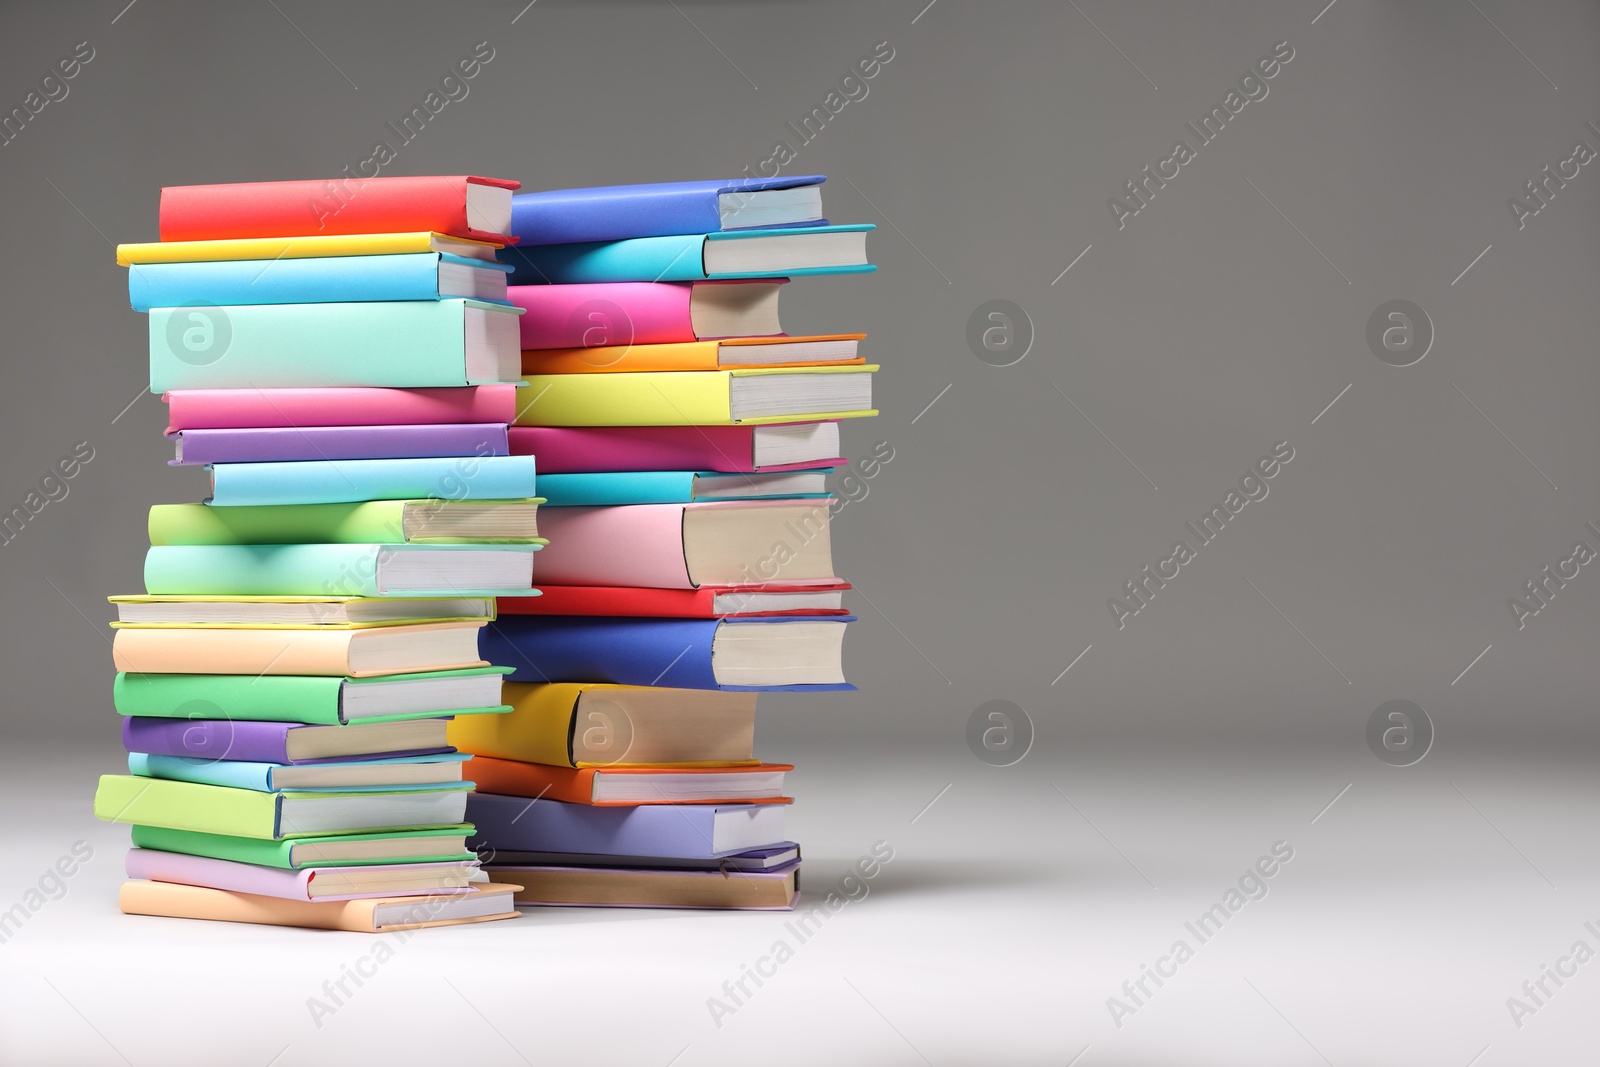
(340, 570)
(317, 701)
(398, 343)
(215, 809)
(365, 522)
(297, 853)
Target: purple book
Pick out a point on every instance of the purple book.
(676, 831)
(309, 883)
(295, 443)
(286, 743)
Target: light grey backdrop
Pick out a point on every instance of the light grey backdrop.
(1221, 319)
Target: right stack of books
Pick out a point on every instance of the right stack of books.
(684, 443)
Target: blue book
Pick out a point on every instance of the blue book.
(344, 481)
(325, 280)
(619, 212)
(786, 654)
(773, 252)
(673, 831)
(677, 487)
(397, 775)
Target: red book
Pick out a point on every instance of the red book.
(706, 602)
(760, 783)
(458, 205)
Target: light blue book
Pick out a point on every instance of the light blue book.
(344, 481)
(323, 280)
(784, 252)
(377, 570)
(403, 344)
(677, 487)
(400, 774)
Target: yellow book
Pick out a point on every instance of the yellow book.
(568, 724)
(359, 244)
(698, 398)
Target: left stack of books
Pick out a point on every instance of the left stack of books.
(341, 358)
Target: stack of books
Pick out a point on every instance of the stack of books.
(684, 444)
(341, 358)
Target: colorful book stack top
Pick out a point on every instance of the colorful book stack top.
(684, 442)
(308, 633)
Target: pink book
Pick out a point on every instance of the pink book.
(644, 313)
(726, 449)
(430, 879)
(228, 409)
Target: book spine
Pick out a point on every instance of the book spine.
(195, 700)
(263, 570)
(312, 443)
(644, 259)
(351, 481)
(693, 398)
(674, 653)
(376, 521)
(298, 208)
(339, 279)
(394, 344)
(207, 739)
(355, 406)
(590, 316)
(577, 215)
(595, 450)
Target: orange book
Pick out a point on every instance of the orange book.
(374, 915)
(834, 349)
(760, 783)
(356, 653)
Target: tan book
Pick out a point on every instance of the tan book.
(374, 915)
(356, 653)
(614, 887)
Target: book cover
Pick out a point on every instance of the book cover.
(322, 246)
(393, 344)
(331, 279)
(685, 831)
(371, 915)
(267, 444)
(665, 652)
(619, 212)
(663, 398)
(329, 206)
(334, 481)
(640, 602)
(303, 699)
(604, 449)
(302, 570)
(218, 409)
(653, 259)
(182, 869)
(283, 853)
(227, 739)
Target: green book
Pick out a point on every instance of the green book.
(296, 853)
(398, 343)
(316, 701)
(366, 522)
(215, 809)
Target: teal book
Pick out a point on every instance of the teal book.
(350, 481)
(298, 853)
(397, 343)
(784, 252)
(608, 489)
(371, 570)
(346, 776)
(311, 700)
(318, 280)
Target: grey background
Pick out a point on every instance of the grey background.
(1223, 319)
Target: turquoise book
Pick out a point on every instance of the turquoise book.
(734, 254)
(397, 774)
(396, 343)
(677, 487)
(349, 481)
(321, 280)
(340, 570)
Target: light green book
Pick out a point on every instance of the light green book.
(307, 699)
(296, 853)
(215, 809)
(396, 343)
(367, 522)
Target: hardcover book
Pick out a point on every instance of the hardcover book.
(333, 279)
(458, 205)
(680, 831)
(618, 212)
